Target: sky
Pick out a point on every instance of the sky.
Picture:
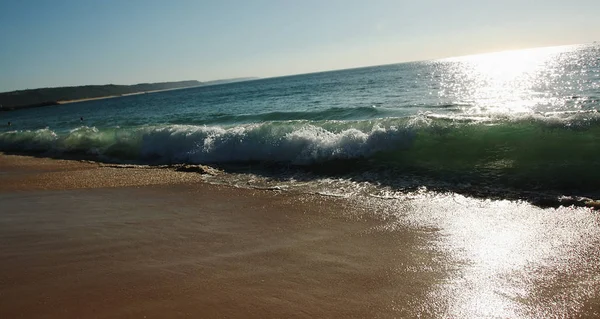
(50, 43)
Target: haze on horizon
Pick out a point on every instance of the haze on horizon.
(69, 42)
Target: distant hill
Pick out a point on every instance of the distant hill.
(52, 96)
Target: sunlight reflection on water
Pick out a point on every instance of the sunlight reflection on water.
(514, 81)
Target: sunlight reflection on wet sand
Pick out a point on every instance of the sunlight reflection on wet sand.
(508, 254)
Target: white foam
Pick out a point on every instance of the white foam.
(296, 144)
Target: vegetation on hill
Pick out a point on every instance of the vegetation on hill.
(51, 96)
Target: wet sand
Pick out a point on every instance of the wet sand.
(78, 240)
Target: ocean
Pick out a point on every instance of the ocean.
(433, 189)
(515, 124)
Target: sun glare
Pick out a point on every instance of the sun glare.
(501, 82)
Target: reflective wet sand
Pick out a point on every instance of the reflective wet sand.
(508, 259)
(82, 241)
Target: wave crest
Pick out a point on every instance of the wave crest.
(529, 152)
(294, 143)
(298, 144)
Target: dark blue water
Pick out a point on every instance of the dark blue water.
(521, 119)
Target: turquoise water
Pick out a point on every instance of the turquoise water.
(524, 120)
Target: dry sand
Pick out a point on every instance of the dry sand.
(82, 241)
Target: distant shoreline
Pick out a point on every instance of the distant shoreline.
(91, 99)
(31, 98)
(61, 102)
(121, 95)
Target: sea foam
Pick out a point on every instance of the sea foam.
(297, 143)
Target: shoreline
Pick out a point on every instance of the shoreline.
(61, 102)
(124, 95)
(540, 198)
(80, 239)
(160, 243)
(96, 98)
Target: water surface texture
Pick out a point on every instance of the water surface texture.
(518, 120)
(392, 191)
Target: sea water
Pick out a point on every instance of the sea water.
(505, 124)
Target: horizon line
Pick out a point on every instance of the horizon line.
(251, 78)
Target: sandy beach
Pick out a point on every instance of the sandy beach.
(121, 95)
(111, 96)
(81, 240)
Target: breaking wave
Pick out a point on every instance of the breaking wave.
(540, 152)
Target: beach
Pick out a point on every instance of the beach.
(176, 249)
(97, 98)
(300, 160)
(115, 96)
(83, 240)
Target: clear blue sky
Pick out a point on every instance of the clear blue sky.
(47, 43)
